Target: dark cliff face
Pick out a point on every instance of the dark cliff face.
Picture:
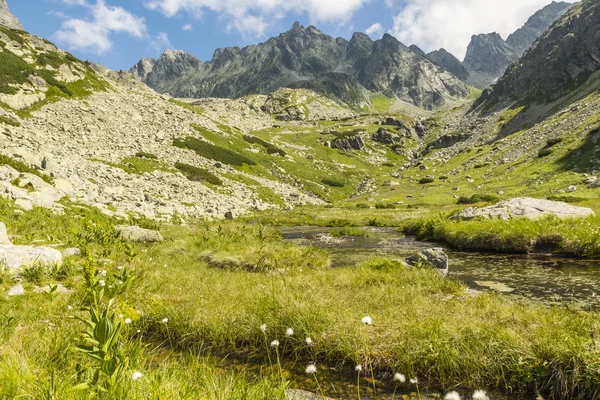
(308, 58)
(560, 60)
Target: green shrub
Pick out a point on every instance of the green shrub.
(22, 167)
(385, 206)
(12, 34)
(362, 206)
(48, 76)
(482, 165)
(52, 58)
(13, 70)
(553, 142)
(545, 152)
(198, 174)
(143, 154)
(9, 121)
(443, 178)
(271, 149)
(333, 183)
(210, 151)
(426, 180)
(388, 164)
(478, 198)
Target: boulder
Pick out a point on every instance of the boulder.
(15, 257)
(595, 184)
(524, 207)
(349, 144)
(17, 290)
(139, 235)
(434, 258)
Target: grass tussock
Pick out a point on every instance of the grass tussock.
(197, 174)
(573, 237)
(22, 167)
(349, 231)
(271, 149)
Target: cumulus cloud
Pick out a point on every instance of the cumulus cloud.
(93, 33)
(432, 24)
(375, 31)
(187, 27)
(254, 17)
(160, 42)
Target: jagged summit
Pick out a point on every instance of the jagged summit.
(7, 19)
(308, 58)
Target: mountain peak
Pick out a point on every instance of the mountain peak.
(7, 19)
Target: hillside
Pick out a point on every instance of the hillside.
(348, 71)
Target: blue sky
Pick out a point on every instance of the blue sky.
(117, 33)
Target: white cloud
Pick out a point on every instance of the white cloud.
(187, 27)
(375, 31)
(160, 43)
(432, 24)
(93, 33)
(254, 17)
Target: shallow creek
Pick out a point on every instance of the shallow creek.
(543, 277)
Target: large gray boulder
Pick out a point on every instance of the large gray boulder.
(434, 258)
(525, 207)
(15, 257)
(139, 235)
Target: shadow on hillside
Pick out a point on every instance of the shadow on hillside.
(585, 158)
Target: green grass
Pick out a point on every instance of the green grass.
(51, 58)
(213, 152)
(187, 106)
(380, 103)
(9, 121)
(13, 70)
(426, 180)
(571, 237)
(271, 149)
(198, 174)
(333, 183)
(22, 167)
(139, 165)
(349, 231)
(478, 198)
(143, 154)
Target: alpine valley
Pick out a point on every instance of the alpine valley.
(305, 218)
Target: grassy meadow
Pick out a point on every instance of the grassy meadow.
(215, 291)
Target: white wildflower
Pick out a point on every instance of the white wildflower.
(165, 320)
(309, 341)
(311, 369)
(399, 378)
(367, 320)
(275, 343)
(136, 375)
(289, 332)
(69, 308)
(414, 381)
(102, 283)
(358, 368)
(104, 272)
(452, 396)
(127, 321)
(263, 328)
(480, 395)
(120, 267)
(120, 315)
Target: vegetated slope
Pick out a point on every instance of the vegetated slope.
(488, 55)
(349, 71)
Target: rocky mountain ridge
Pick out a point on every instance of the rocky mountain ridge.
(349, 71)
(7, 19)
(488, 55)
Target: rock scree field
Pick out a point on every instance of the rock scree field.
(309, 232)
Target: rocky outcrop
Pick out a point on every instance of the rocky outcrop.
(348, 144)
(139, 235)
(143, 68)
(526, 208)
(386, 137)
(448, 62)
(306, 58)
(15, 257)
(7, 19)
(433, 258)
(560, 61)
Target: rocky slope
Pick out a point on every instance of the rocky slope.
(7, 19)
(305, 57)
(488, 55)
(563, 58)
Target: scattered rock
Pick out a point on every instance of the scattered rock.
(297, 394)
(434, 258)
(525, 207)
(572, 189)
(46, 289)
(139, 235)
(17, 290)
(229, 215)
(348, 144)
(15, 257)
